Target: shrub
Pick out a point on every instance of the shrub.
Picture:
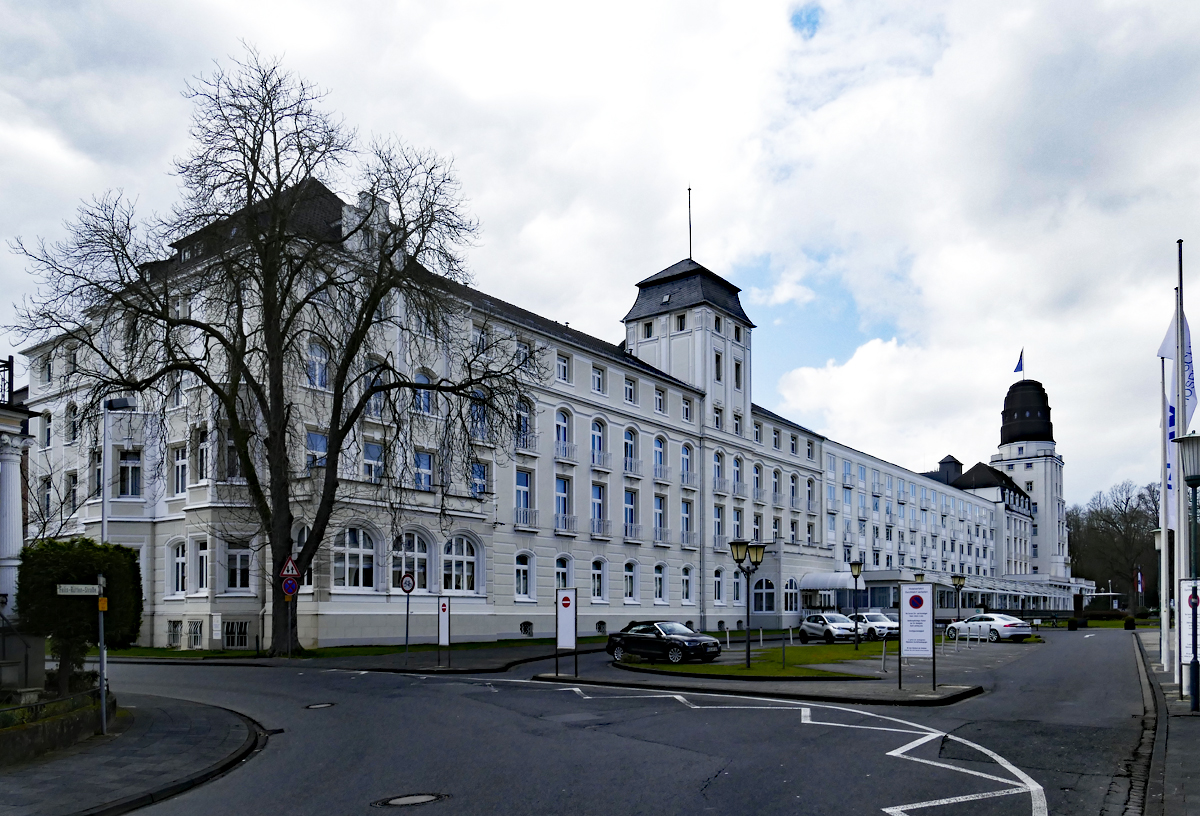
(1130, 622)
(1072, 624)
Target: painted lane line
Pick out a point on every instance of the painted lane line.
(903, 810)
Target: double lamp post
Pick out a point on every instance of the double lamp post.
(740, 551)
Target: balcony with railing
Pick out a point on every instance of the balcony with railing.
(601, 459)
(689, 541)
(564, 523)
(741, 489)
(862, 511)
(721, 543)
(848, 479)
(566, 451)
(925, 504)
(831, 505)
(720, 485)
(662, 473)
(633, 467)
(633, 532)
(527, 442)
(760, 495)
(812, 507)
(662, 536)
(876, 488)
(601, 528)
(901, 498)
(525, 517)
(690, 479)
(777, 499)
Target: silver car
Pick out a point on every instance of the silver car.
(875, 626)
(828, 626)
(995, 627)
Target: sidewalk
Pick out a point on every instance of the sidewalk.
(159, 747)
(1175, 768)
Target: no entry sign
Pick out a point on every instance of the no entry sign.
(443, 621)
(566, 614)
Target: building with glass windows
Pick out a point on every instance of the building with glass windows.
(634, 466)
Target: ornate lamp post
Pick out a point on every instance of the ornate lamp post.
(755, 551)
(1189, 455)
(958, 581)
(856, 570)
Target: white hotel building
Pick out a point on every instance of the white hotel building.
(641, 461)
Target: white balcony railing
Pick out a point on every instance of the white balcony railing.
(601, 459)
(812, 506)
(721, 543)
(689, 540)
(567, 451)
(740, 489)
(601, 527)
(777, 499)
(876, 488)
(720, 485)
(662, 473)
(527, 441)
(633, 467)
(633, 531)
(564, 523)
(689, 478)
(525, 517)
(760, 495)
(662, 535)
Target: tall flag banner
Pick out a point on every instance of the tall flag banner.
(1020, 363)
(1167, 352)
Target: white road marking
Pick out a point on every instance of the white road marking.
(1023, 783)
(1085, 637)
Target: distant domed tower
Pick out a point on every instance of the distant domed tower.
(1026, 416)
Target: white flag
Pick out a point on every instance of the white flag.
(1167, 351)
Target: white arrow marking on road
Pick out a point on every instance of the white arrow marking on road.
(1085, 637)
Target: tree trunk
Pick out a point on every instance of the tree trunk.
(283, 624)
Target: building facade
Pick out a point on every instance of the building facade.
(633, 467)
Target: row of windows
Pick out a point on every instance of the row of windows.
(776, 434)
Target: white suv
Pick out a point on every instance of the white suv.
(873, 625)
(829, 626)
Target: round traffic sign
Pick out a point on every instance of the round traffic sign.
(566, 601)
(408, 583)
(1193, 601)
(290, 587)
(916, 601)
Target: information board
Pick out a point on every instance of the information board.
(443, 621)
(567, 614)
(916, 620)
(1183, 608)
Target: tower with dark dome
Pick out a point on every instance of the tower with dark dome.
(1027, 455)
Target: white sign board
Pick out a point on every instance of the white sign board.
(916, 620)
(78, 589)
(1184, 610)
(564, 602)
(443, 621)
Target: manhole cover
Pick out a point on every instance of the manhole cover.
(320, 705)
(410, 799)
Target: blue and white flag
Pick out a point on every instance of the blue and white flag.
(1167, 352)
(1020, 363)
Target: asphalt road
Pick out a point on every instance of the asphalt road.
(1055, 728)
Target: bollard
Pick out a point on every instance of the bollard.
(760, 637)
(726, 638)
(790, 641)
(885, 654)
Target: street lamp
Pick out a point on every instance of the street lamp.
(958, 581)
(856, 570)
(919, 577)
(754, 550)
(1189, 454)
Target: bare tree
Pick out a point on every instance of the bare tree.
(291, 320)
(1112, 536)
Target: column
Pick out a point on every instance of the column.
(11, 532)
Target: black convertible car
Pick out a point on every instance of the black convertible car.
(663, 640)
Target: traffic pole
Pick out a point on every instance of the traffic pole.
(102, 604)
(407, 609)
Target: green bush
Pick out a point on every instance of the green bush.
(1109, 615)
(72, 622)
(1130, 622)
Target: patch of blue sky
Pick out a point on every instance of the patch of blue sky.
(807, 19)
(789, 335)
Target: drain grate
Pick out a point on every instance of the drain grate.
(410, 799)
(320, 705)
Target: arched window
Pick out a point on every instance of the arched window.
(630, 444)
(562, 427)
(685, 585)
(562, 572)
(719, 586)
(737, 470)
(630, 581)
(660, 452)
(180, 568)
(718, 465)
(521, 576)
(597, 437)
(458, 565)
(422, 398)
(479, 416)
(317, 367)
(685, 459)
(764, 595)
(776, 477)
(72, 424)
(524, 426)
(410, 553)
(794, 486)
(660, 583)
(791, 596)
(598, 588)
(354, 559)
(757, 477)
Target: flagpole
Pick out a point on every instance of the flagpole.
(1182, 534)
(1164, 553)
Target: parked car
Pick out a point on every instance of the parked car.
(993, 626)
(663, 640)
(829, 626)
(875, 625)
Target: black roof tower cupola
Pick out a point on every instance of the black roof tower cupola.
(1026, 416)
(682, 286)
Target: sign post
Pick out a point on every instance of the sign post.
(407, 583)
(102, 606)
(1185, 623)
(444, 628)
(916, 623)
(566, 620)
(290, 587)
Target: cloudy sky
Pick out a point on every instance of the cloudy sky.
(909, 194)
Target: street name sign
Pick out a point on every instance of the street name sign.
(567, 616)
(916, 620)
(443, 621)
(78, 589)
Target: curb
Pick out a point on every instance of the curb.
(833, 678)
(965, 692)
(1155, 800)
(256, 740)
